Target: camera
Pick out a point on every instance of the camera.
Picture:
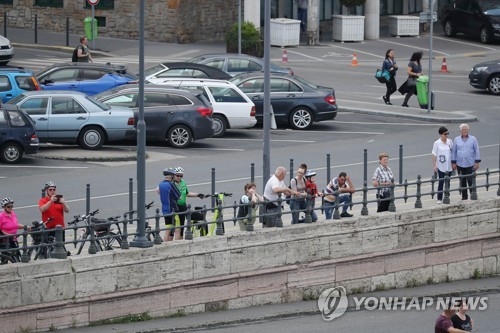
(58, 196)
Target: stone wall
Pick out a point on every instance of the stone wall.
(172, 21)
(392, 250)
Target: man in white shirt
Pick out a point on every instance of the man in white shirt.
(273, 189)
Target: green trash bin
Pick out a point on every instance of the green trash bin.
(87, 26)
(422, 92)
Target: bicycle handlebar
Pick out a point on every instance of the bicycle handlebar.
(215, 195)
(133, 211)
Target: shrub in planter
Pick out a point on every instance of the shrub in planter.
(352, 3)
(251, 41)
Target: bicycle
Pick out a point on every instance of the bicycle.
(87, 231)
(41, 240)
(9, 250)
(218, 213)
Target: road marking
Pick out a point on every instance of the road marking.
(221, 149)
(465, 43)
(357, 51)
(304, 55)
(370, 123)
(41, 167)
(272, 140)
(410, 46)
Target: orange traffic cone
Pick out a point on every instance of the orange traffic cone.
(284, 58)
(354, 61)
(444, 68)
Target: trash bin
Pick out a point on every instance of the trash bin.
(87, 26)
(422, 92)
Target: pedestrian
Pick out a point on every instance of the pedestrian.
(298, 185)
(465, 158)
(312, 190)
(461, 319)
(274, 188)
(414, 71)
(345, 188)
(302, 14)
(390, 65)
(250, 198)
(83, 53)
(443, 322)
(169, 194)
(53, 205)
(181, 202)
(383, 177)
(9, 225)
(441, 159)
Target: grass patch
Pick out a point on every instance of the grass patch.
(178, 314)
(380, 287)
(476, 274)
(430, 280)
(358, 290)
(131, 318)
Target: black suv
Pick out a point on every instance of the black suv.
(472, 17)
(17, 134)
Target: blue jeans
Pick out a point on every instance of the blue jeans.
(441, 176)
(297, 204)
(330, 206)
(302, 17)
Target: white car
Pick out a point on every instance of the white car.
(232, 108)
(6, 51)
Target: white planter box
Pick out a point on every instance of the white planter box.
(285, 32)
(348, 28)
(404, 25)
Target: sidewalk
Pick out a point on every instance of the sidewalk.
(207, 320)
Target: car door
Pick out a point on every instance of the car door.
(93, 81)
(5, 88)
(285, 96)
(462, 15)
(61, 79)
(254, 89)
(37, 109)
(66, 118)
(474, 21)
(159, 113)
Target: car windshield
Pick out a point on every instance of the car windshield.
(99, 104)
(490, 7)
(16, 99)
(153, 70)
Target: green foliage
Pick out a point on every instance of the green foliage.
(476, 274)
(251, 41)
(380, 287)
(178, 314)
(132, 318)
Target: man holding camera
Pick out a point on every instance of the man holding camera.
(52, 205)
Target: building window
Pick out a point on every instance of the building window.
(103, 4)
(391, 7)
(6, 2)
(49, 3)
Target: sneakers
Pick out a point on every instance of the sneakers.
(346, 214)
(386, 100)
(439, 202)
(405, 105)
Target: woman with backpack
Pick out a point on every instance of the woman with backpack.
(82, 52)
(250, 198)
(390, 66)
(298, 185)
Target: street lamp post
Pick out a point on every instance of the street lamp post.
(267, 96)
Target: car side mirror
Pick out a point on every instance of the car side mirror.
(48, 81)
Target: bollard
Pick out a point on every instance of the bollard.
(405, 196)
(125, 245)
(328, 166)
(219, 231)
(446, 196)
(87, 199)
(157, 239)
(59, 252)
(291, 169)
(433, 181)
(365, 165)
(187, 232)
(364, 210)
(67, 30)
(252, 172)
(130, 200)
(473, 190)
(25, 257)
(400, 164)
(249, 224)
(5, 24)
(213, 187)
(279, 221)
(336, 213)
(392, 206)
(36, 28)
(418, 203)
(308, 218)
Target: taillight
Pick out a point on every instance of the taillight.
(131, 121)
(35, 83)
(205, 112)
(330, 100)
(34, 137)
(252, 112)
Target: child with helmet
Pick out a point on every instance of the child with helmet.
(312, 190)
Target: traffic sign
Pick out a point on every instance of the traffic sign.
(93, 2)
(426, 17)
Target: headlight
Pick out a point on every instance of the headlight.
(496, 26)
(481, 69)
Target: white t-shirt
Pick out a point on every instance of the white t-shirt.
(271, 184)
(442, 151)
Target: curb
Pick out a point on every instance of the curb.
(66, 49)
(432, 117)
(68, 153)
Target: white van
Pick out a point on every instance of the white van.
(232, 108)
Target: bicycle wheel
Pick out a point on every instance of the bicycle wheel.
(6, 259)
(107, 243)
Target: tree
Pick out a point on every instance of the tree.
(251, 41)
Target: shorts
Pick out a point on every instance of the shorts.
(168, 223)
(182, 217)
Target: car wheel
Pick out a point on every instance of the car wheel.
(494, 85)
(179, 136)
(301, 118)
(91, 137)
(485, 35)
(220, 125)
(449, 29)
(11, 153)
(4, 63)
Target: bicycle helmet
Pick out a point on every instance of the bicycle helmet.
(169, 172)
(7, 201)
(49, 184)
(179, 170)
(310, 173)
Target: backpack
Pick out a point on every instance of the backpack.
(74, 57)
(287, 198)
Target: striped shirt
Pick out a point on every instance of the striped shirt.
(383, 175)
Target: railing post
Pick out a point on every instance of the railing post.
(473, 191)
(328, 166)
(67, 30)
(418, 203)
(308, 218)
(405, 196)
(212, 175)
(25, 257)
(278, 222)
(5, 24)
(249, 225)
(59, 252)
(87, 199)
(252, 172)
(433, 183)
(364, 210)
(365, 165)
(130, 200)
(392, 206)
(487, 173)
(220, 220)
(36, 28)
(400, 164)
(92, 246)
(291, 170)
(157, 240)
(125, 245)
(336, 213)
(446, 195)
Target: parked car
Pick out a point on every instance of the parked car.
(234, 64)
(232, 108)
(486, 75)
(167, 70)
(472, 17)
(6, 51)
(295, 101)
(73, 117)
(15, 80)
(171, 115)
(17, 134)
(89, 78)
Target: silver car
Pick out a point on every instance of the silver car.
(6, 51)
(73, 117)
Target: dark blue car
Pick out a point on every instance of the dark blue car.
(88, 78)
(17, 134)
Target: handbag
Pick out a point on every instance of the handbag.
(382, 75)
(408, 85)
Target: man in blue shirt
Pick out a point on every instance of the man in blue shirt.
(169, 194)
(465, 157)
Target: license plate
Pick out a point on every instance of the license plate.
(3, 53)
